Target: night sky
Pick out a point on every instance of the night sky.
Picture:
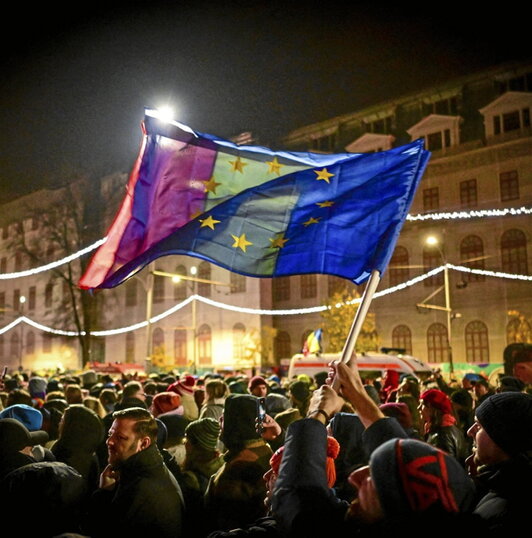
(74, 86)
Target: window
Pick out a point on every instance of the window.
(476, 337)
(335, 285)
(30, 343)
(431, 260)
(402, 338)
(46, 343)
(204, 344)
(518, 330)
(131, 292)
(281, 288)
(324, 143)
(180, 347)
(437, 343)
(381, 126)
(180, 287)
(204, 272)
(3, 265)
(468, 193)
(16, 300)
(509, 185)
(48, 295)
(32, 298)
(514, 252)
(18, 260)
(157, 340)
(238, 341)
(431, 199)
(282, 347)
(398, 268)
(14, 351)
(158, 288)
(130, 347)
(472, 255)
(309, 286)
(2, 303)
(238, 283)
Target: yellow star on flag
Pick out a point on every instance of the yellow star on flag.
(240, 242)
(323, 174)
(328, 203)
(210, 186)
(310, 221)
(274, 166)
(278, 241)
(209, 222)
(238, 165)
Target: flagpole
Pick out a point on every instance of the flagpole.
(358, 320)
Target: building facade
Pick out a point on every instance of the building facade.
(478, 131)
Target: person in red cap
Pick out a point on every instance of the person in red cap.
(440, 429)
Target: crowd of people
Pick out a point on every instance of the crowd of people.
(178, 455)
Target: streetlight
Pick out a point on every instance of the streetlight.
(432, 241)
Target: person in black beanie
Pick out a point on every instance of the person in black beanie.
(235, 494)
(502, 460)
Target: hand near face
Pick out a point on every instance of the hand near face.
(109, 478)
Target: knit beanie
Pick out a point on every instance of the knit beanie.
(300, 390)
(37, 387)
(175, 427)
(400, 411)
(256, 381)
(29, 416)
(240, 413)
(183, 386)
(165, 402)
(507, 419)
(237, 387)
(437, 399)
(412, 476)
(204, 432)
(511, 384)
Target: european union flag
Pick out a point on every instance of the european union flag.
(255, 211)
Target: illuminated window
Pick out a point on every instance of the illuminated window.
(238, 341)
(205, 344)
(472, 255)
(514, 252)
(402, 338)
(398, 268)
(476, 337)
(437, 343)
(309, 286)
(180, 347)
(518, 330)
(130, 347)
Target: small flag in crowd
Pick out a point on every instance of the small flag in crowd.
(255, 211)
(313, 343)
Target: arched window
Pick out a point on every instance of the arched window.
(476, 338)
(472, 255)
(282, 346)
(432, 259)
(398, 268)
(180, 347)
(30, 343)
(402, 338)
(205, 344)
(130, 347)
(518, 330)
(309, 286)
(513, 252)
(204, 272)
(158, 342)
(180, 288)
(437, 343)
(238, 341)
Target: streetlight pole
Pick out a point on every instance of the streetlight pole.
(432, 241)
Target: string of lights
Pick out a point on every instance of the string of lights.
(244, 310)
(454, 215)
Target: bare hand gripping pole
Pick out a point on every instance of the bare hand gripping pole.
(358, 320)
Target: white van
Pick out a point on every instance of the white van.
(369, 362)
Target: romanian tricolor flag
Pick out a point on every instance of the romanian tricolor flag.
(255, 211)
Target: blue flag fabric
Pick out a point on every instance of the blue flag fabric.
(334, 214)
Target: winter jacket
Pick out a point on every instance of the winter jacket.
(146, 501)
(450, 439)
